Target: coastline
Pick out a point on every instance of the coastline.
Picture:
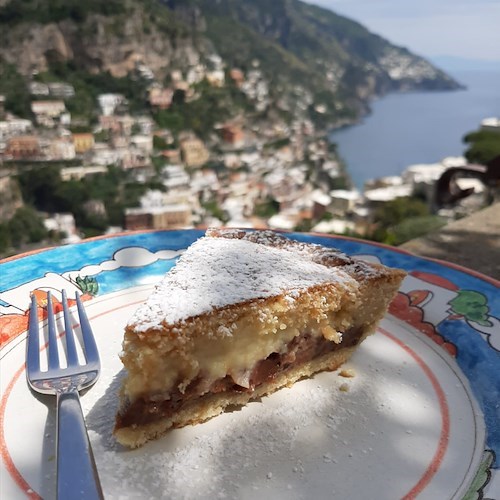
(421, 126)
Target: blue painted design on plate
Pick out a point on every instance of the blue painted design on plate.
(128, 277)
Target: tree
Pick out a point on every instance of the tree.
(5, 241)
(484, 145)
(267, 208)
(212, 207)
(402, 219)
(412, 227)
(399, 209)
(15, 90)
(26, 226)
(38, 185)
(160, 142)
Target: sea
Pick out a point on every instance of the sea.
(417, 127)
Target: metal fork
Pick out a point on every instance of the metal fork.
(77, 475)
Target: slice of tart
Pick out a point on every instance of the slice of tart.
(239, 316)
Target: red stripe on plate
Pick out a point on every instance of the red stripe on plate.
(444, 437)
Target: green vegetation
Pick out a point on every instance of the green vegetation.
(340, 183)
(266, 208)
(413, 227)
(304, 226)
(484, 145)
(214, 105)
(158, 163)
(213, 209)
(164, 20)
(88, 284)
(23, 228)
(83, 105)
(277, 143)
(399, 210)
(240, 45)
(101, 136)
(43, 189)
(13, 87)
(54, 11)
(160, 143)
(403, 219)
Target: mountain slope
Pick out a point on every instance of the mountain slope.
(315, 62)
(337, 55)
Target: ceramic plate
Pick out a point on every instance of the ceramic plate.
(420, 418)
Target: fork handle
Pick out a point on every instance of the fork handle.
(77, 476)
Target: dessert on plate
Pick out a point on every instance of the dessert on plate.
(241, 315)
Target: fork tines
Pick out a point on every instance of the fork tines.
(33, 350)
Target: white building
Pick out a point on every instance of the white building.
(63, 223)
(492, 124)
(143, 142)
(195, 74)
(104, 155)
(423, 173)
(336, 226)
(234, 206)
(383, 195)
(286, 221)
(48, 108)
(61, 149)
(175, 177)
(320, 198)
(145, 71)
(423, 177)
(205, 180)
(216, 78)
(78, 173)
(38, 88)
(61, 89)
(146, 124)
(332, 168)
(14, 126)
(109, 102)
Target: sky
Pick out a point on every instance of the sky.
(468, 29)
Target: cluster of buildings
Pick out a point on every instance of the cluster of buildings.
(274, 175)
(236, 178)
(241, 184)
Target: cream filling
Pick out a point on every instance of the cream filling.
(156, 369)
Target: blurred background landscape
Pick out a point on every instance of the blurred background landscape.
(329, 116)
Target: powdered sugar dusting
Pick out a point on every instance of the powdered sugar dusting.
(216, 272)
(223, 458)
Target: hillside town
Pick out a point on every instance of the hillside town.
(278, 175)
